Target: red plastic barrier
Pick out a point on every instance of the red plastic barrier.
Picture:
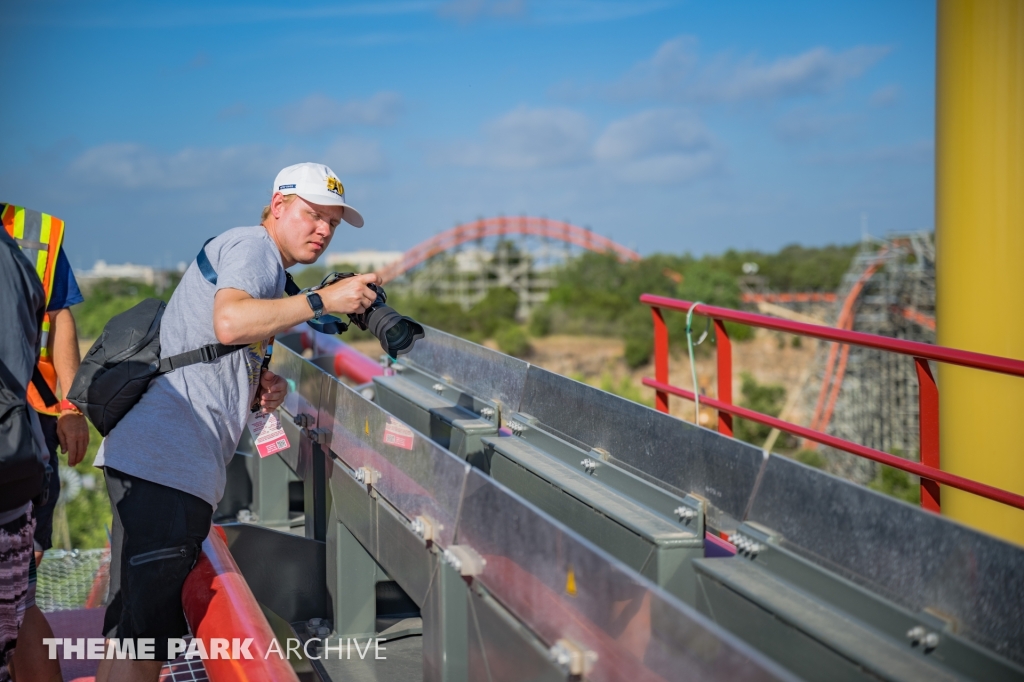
(218, 603)
(348, 362)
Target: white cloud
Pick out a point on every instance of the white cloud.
(659, 146)
(886, 96)
(355, 156)
(918, 152)
(676, 72)
(470, 10)
(800, 125)
(318, 112)
(653, 132)
(526, 138)
(132, 166)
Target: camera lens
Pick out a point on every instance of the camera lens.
(396, 333)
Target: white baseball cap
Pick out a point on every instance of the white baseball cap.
(316, 183)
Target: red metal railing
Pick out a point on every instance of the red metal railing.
(928, 394)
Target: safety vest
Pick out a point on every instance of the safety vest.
(39, 235)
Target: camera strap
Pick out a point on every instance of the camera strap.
(327, 324)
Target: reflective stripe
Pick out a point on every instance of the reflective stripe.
(44, 338)
(39, 236)
(29, 244)
(19, 222)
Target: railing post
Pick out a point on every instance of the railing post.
(724, 354)
(928, 425)
(660, 358)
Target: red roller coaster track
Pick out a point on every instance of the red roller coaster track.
(502, 226)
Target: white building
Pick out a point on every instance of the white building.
(103, 270)
(363, 261)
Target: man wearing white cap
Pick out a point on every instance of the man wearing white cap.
(165, 460)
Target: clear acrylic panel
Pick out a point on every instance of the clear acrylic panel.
(288, 364)
(417, 476)
(485, 373)
(562, 586)
(915, 558)
(656, 446)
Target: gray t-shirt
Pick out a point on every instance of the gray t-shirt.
(185, 429)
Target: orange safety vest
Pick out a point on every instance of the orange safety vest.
(39, 235)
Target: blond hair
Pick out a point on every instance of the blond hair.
(288, 198)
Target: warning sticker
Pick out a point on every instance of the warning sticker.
(398, 434)
(267, 433)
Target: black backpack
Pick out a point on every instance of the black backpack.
(24, 474)
(125, 358)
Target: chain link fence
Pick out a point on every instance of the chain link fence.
(75, 579)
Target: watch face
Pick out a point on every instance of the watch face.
(315, 303)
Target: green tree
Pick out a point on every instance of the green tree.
(765, 398)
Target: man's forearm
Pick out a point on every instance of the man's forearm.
(239, 319)
(64, 349)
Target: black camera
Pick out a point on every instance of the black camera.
(396, 333)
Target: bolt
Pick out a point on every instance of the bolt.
(589, 465)
(323, 631)
(438, 388)
(516, 428)
(313, 622)
(487, 412)
(916, 634)
(360, 474)
(931, 640)
(453, 561)
(685, 513)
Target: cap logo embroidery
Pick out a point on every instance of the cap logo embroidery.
(334, 185)
(286, 187)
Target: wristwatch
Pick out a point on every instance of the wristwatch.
(314, 301)
(68, 406)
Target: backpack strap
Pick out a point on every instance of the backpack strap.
(42, 388)
(328, 324)
(205, 354)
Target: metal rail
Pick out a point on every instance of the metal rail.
(928, 394)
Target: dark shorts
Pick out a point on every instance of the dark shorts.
(155, 542)
(44, 514)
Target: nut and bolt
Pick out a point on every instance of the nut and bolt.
(919, 635)
(303, 420)
(516, 427)
(588, 465)
(487, 412)
(438, 388)
(747, 545)
(685, 513)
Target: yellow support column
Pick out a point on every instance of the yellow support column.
(979, 216)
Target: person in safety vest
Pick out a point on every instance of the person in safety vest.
(40, 237)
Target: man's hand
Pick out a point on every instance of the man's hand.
(351, 295)
(272, 391)
(73, 435)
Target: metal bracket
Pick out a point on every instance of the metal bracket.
(690, 512)
(320, 436)
(426, 528)
(303, 421)
(367, 476)
(465, 560)
(572, 658)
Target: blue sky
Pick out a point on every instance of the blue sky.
(668, 126)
